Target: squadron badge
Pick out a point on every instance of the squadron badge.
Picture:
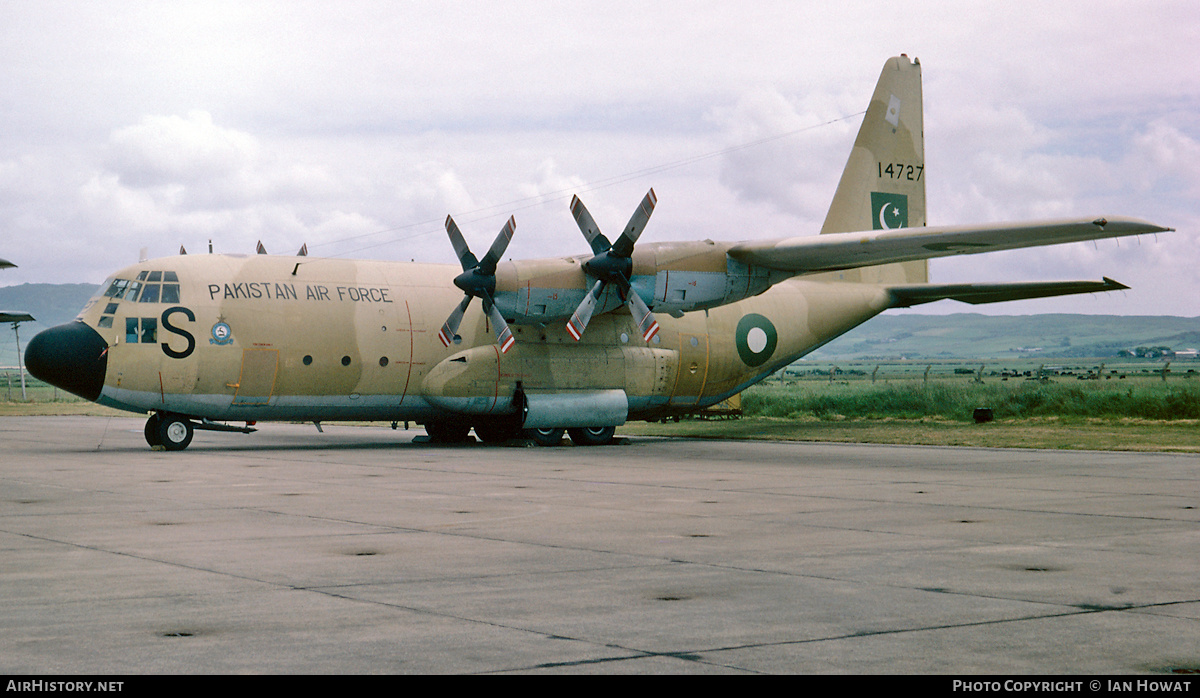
(222, 333)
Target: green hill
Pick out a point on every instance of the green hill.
(974, 336)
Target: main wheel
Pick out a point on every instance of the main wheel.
(174, 432)
(151, 430)
(447, 432)
(592, 436)
(545, 437)
(497, 431)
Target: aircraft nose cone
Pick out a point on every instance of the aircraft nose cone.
(73, 357)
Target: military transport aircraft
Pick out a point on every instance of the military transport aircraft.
(580, 344)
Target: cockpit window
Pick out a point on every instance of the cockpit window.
(149, 293)
(141, 330)
(117, 289)
(151, 287)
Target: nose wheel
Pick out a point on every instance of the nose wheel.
(171, 432)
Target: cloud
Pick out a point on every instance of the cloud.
(797, 173)
(164, 150)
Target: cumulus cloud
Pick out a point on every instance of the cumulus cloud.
(178, 150)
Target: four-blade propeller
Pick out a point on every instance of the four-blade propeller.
(478, 280)
(612, 264)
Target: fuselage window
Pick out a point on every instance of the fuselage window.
(131, 330)
(105, 321)
(170, 293)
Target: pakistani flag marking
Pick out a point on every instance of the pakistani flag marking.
(888, 211)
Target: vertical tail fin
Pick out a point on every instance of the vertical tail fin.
(883, 185)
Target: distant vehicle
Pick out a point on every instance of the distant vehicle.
(581, 344)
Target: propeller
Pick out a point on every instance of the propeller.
(612, 264)
(478, 280)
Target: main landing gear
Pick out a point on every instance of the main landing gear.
(501, 430)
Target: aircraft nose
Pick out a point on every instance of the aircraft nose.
(73, 357)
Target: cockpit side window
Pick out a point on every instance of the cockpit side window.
(117, 289)
(149, 330)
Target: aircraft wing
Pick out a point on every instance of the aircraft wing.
(833, 252)
(906, 296)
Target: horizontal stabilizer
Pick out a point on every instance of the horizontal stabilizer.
(821, 253)
(908, 296)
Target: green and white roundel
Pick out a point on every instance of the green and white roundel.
(756, 339)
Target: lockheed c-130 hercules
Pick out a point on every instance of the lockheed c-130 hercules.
(582, 344)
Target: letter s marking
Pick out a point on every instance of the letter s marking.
(166, 323)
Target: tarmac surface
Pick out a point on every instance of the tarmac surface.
(357, 551)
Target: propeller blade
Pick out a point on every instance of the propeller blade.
(504, 335)
(623, 247)
(461, 250)
(642, 316)
(487, 266)
(583, 314)
(450, 330)
(587, 224)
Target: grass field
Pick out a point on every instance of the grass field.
(1114, 407)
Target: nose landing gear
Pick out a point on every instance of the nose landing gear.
(174, 432)
(171, 432)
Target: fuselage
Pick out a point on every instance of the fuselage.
(258, 338)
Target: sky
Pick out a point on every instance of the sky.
(356, 127)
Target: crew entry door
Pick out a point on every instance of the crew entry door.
(257, 381)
